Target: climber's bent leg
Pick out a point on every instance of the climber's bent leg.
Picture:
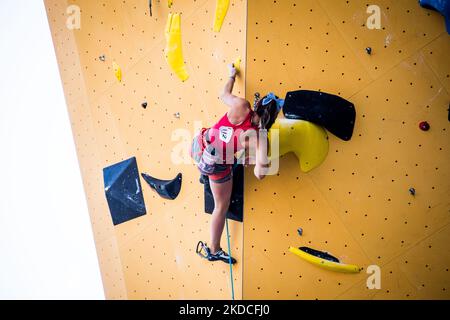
(221, 191)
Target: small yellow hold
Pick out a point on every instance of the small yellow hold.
(221, 12)
(170, 3)
(237, 64)
(117, 71)
(174, 54)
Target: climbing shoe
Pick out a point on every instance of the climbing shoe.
(203, 251)
(220, 255)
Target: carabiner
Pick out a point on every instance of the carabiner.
(202, 250)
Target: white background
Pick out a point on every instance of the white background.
(46, 244)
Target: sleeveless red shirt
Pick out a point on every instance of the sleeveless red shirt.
(225, 136)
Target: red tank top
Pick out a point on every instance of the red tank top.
(225, 136)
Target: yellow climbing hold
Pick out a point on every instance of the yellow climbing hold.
(174, 55)
(169, 3)
(117, 71)
(307, 140)
(237, 64)
(221, 12)
(326, 264)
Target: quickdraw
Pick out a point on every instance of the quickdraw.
(202, 250)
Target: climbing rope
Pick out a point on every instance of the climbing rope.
(203, 251)
(229, 261)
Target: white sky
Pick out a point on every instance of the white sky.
(46, 244)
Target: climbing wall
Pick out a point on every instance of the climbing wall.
(356, 205)
(151, 257)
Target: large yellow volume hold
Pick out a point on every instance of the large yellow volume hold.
(221, 12)
(117, 71)
(326, 264)
(307, 140)
(174, 55)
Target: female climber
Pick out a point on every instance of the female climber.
(215, 149)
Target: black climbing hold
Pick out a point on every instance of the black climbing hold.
(123, 191)
(334, 113)
(144, 105)
(441, 6)
(300, 231)
(424, 126)
(448, 112)
(320, 254)
(412, 191)
(236, 208)
(168, 189)
(150, 6)
(369, 50)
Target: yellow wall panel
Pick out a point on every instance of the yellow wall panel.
(356, 205)
(405, 28)
(287, 40)
(394, 285)
(420, 273)
(427, 266)
(397, 160)
(271, 228)
(436, 57)
(151, 256)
